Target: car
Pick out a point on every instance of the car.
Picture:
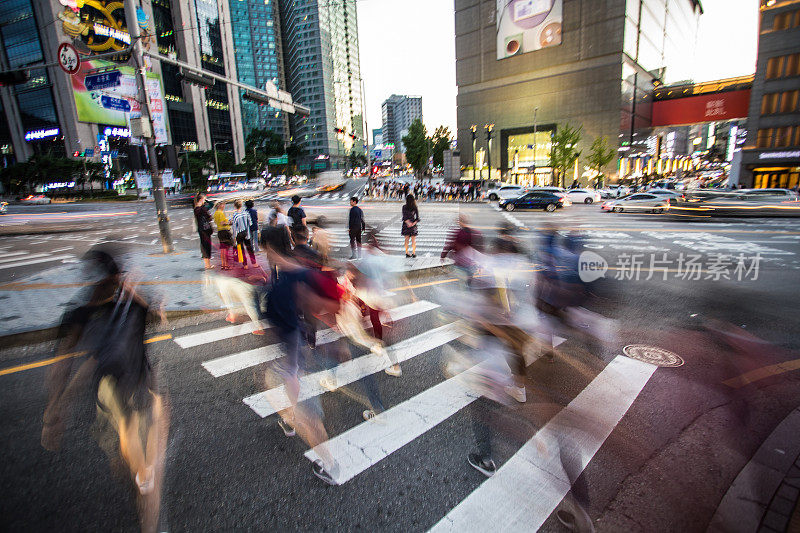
(586, 196)
(614, 191)
(668, 193)
(547, 200)
(35, 199)
(505, 192)
(638, 202)
(783, 194)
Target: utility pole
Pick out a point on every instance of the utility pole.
(489, 128)
(535, 110)
(474, 139)
(137, 53)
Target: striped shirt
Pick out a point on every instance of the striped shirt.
(241, 223)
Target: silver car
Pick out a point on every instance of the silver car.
(638, 202)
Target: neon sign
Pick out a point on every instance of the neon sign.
(116, 132)
(35, 135)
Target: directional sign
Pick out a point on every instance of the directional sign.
(105, 152)
(68, 59)
(120, 104)
(114, 153)
(103, 80)
(89, 152)
(282, 160)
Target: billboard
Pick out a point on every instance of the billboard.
(702, 108)
(527, 25)
(112, 105)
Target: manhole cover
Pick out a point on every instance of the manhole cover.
(653, 355)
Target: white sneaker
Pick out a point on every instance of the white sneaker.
(395, 371)
(329, 383)
(518, 393)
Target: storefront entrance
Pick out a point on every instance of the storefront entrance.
(776, 177)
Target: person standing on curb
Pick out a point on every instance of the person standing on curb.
(355, 226)
(251, 210)
(296, 214)
(204, 228)
(409, 229)
(241, 229)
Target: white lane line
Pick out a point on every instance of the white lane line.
(229, 364)
(28, 255)
(366, 444)
(35, 261)
(274, 400)
(12, 254)
(524, 491)
(212, 335)
(514, 220)
(62, 249)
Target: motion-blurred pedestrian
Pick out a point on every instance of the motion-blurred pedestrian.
(223, 234)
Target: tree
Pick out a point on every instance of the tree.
(440, 141)
(565, 151)
(357, 159)
(417, 147)
(600, 154)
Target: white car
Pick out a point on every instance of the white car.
(638, 202)
(504, 192)
(587, 196)
(614, 191)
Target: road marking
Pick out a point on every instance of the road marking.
(212, 335)
(66, 248)
(37, 364)
(35, 261)
(762, 373)
(366, 444)
(158, 338)
(12, 254)
(525, 491)
(229, 364)
(273, 400)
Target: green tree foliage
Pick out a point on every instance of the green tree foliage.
(600, 154)
(45, 168)
(417, 147)
(440, 141)
(357, 159)
(260, 145)
(565, 151)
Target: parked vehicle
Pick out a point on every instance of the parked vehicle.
(35, 199)
(505, 192)
(785, 194)
(638, 202)
(586, 196)
(547, 200)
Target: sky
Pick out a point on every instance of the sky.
(408, 47)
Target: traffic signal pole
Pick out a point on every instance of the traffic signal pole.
(137, 53)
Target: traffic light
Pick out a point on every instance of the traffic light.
(136, 158)
(196, 78)
(167, 156)
(14, 77)
(255, 97)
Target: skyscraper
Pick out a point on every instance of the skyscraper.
(398, 112)
(256, 29)
(323, 71)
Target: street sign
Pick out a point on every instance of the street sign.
(114, 153)
(377, 154)
(282, 160)
(119, 104)
(68, 59)
(89, 152)
(103, 80)
(105, 152)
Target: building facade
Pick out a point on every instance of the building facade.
(398, 112)
(771, 155)
(323, 71)
(580, 62)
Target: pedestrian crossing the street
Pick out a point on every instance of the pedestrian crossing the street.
(525, 490)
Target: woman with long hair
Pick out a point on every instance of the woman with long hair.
(410, 221)
(204, 228)
(223, 233)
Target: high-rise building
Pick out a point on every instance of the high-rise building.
(771, 155)
(323, 71)
(398, 112)
(256, 29)
(526, 66)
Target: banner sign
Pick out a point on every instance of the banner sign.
(702, 108)
(527, 25)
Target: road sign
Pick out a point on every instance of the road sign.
(377, 154)
(282, 160)
(114, 153)
(89, 152)
(105, 152)
(120, 104)
(68, 59)
(103, 80)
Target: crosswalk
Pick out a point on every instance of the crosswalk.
(319, 196)
(19, 258)
(431, 238)
(526, 489)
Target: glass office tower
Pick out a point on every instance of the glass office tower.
(211, 58)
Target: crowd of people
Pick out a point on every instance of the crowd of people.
(421, 191)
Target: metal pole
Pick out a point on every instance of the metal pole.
(474, 138)
(489, 148)
(158, 185)
(535, 110)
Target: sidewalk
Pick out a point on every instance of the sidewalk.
(36, 304)
(765, 496)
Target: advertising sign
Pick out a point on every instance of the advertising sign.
(702, 108)
(168, 178)
(527, 25)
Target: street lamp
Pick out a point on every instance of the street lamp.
(489, 128)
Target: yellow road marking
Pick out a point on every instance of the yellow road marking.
(762, 373)
(51, 360)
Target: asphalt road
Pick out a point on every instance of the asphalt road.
(682, 437)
